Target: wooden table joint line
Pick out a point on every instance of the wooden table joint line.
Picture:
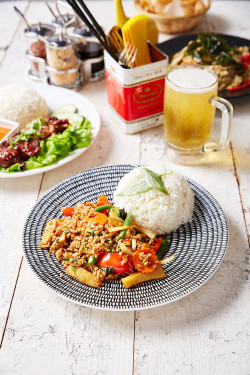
(241, 200)
(12, 297)
(40, 187)
(133, 359)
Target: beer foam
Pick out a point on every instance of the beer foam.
(192, 80)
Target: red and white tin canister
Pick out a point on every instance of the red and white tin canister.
(136, 96)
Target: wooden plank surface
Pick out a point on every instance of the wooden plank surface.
(96, 331)
(175, 333)
(204, 333)
(16, 198)
(8, 29)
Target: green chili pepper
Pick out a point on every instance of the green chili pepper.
(92, 233)
(162, 249)
(127, 222)
(103, 208)
(108, 270)
(92, 260)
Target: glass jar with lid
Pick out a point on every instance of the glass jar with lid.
(62, 62)
(36, 34)
(90, 52)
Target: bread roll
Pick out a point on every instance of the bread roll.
(154, 6)
(188, 7)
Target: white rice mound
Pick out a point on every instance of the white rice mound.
(155, 210)
(21, 104)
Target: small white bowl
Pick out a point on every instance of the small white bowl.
(11, 125)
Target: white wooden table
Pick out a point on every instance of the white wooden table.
(206, 332)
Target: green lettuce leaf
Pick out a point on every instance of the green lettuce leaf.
(77, 135)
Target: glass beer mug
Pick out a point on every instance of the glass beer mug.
(189, 110)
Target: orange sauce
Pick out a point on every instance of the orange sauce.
(4, 131)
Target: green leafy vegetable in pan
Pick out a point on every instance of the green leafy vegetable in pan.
(210, 48)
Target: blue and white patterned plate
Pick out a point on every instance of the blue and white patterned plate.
(199, 246)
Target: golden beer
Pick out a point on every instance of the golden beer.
(188, 113)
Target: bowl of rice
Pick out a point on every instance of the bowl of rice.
(154, 209)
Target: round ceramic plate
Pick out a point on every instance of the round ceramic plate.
(199, 246)
(57, 97)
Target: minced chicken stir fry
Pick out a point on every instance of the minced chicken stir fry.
(97, 241)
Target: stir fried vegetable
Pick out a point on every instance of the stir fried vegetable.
(103, 208)
(94, 243)
(145, 260)
(127, 222)
(210, 48)
(162, 249)
(137, 278)
(120, 263)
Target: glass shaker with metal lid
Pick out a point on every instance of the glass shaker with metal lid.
(90, 52)
(36, 34)
(62, 62)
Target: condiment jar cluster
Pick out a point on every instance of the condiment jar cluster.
(64, 52)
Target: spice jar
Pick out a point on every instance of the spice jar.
(62, 63)
(35, 35)
(90, 52)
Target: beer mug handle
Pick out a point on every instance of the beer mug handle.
(227, 113)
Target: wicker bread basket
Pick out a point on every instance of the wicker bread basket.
(173, 25)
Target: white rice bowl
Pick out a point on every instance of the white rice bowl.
(21, 104)
(155, 210)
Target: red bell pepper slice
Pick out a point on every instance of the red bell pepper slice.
(243, 86)
(68, 211)
(114, 260)
(245, 60)
(158, 244)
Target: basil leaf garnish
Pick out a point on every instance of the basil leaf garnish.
(146, 181)
(154, 180)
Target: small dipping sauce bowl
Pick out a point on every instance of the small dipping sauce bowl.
(7, 128)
